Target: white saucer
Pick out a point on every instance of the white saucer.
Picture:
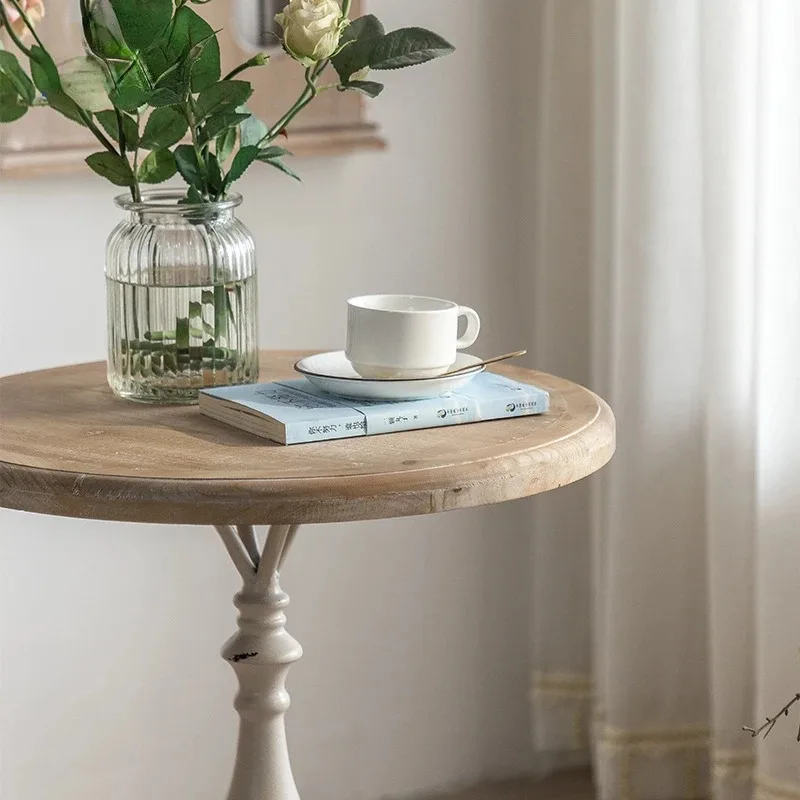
(334, 374)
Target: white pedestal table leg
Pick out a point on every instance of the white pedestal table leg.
(261, 653)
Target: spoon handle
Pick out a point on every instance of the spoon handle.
(485, 362)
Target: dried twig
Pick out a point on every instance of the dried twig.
(767, 727)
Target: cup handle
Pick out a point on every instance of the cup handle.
(473, 327)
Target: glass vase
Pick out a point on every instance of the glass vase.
(182, 299)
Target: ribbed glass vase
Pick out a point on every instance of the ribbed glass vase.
(182, 299)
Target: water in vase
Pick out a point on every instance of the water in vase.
(168, 342)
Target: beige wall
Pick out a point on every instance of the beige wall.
(98, 696)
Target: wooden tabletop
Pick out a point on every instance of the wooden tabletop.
(68, 447)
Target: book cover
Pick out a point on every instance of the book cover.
(298, 412)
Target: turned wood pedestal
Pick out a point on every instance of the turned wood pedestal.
(69, 448)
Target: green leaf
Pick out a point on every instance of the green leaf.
(164, 97)
(407, 47)
(273, 152)
(369, 88)
(108, 119)
(252, 131)
(221, 97)
(193, 196)
(214, 179)
(218, 124)
(188, 166)
(357, 42)
(110, 124)
(243, 159)
(159, 166)
(112, 167)
(169, 78)
(10, 67)
(278, 164)
(129, 98)
(165, 127)
(225, 144)
(102, 32)
(187, 31)
(142, 21)
(12, 107)
(129, 74)
(85, 80)
(130, 129)
(64, 104)
(205, 71)
(178, 76)
(44, 71)
(12, 104)
(196, 51)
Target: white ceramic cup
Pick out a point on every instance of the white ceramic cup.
(405, 336)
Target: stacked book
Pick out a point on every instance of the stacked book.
(295, 411)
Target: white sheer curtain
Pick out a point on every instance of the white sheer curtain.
(666, 195)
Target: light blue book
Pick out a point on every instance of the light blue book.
(295, 411)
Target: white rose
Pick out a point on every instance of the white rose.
(311, 29)
(84, 80)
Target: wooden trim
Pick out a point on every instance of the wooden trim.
(303, 143)
(567, 786)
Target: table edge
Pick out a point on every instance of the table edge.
(220, 501)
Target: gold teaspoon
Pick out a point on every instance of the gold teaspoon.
(485, 362)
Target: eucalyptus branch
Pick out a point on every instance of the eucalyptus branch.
(14, 38)
(767, 727)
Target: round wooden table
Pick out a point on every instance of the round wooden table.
(69, 448)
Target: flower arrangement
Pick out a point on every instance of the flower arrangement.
(150, 87)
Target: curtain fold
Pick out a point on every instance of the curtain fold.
(666, 200)
(729, 117)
